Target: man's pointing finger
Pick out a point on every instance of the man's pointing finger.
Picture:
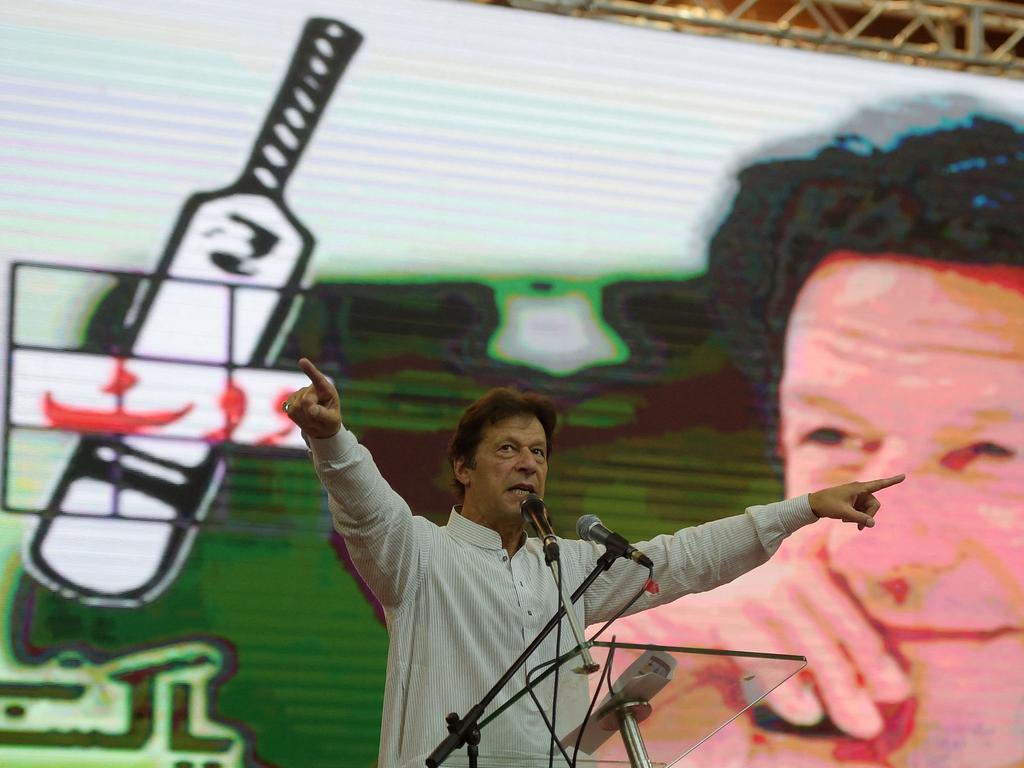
(320, 382)
(876, 485)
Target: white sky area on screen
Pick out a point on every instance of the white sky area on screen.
(465, 142)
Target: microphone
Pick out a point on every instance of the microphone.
(589, 528)
(536, 514)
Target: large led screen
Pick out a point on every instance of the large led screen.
(743, 273)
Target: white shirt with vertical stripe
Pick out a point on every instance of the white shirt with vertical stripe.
(459, 610)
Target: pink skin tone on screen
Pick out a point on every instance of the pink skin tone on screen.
(897, 364)
(902, 365)
(893, 364)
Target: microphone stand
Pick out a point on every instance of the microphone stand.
(465, 730)
(588, 664)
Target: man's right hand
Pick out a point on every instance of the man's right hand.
(315, 408)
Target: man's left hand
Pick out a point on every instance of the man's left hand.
(852, 502)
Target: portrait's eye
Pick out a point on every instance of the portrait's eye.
(992, 449)
(825, 436)
(538, 452)
(961, 457)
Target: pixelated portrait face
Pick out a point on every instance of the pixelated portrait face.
(897, 364)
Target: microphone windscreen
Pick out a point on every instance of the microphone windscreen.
(532, 505)
(585, 524)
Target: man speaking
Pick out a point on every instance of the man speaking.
(462, 601)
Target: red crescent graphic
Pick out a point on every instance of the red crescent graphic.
(119, 421)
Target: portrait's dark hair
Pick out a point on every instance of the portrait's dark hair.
(497, 404)
(949, 191)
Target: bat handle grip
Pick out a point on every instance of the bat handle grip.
(321, 56)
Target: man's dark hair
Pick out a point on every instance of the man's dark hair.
(497, 404)
(950, 192)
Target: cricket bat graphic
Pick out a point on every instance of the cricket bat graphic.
(120, 521)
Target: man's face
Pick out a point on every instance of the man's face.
(510, 463)
(895, 364)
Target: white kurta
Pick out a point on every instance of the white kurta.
(459, 610)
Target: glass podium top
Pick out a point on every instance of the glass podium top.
(677, 697)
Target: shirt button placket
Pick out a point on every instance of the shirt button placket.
(512, 573)
(521, 598)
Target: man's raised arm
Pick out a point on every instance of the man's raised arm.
(386, 543)
(703, 557)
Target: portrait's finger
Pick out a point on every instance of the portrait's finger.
(847, 703)
(863, 644)
(794, 701)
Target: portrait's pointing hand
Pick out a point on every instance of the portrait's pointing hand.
(850, 672)
(852, 502)
(315, 408)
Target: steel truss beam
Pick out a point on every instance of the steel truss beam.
(970, 35)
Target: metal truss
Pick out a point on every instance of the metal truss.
(986, 37)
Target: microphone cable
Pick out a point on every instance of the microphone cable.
(551, 728)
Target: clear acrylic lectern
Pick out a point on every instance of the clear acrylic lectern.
(664, 702)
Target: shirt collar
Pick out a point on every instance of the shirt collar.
(474, 533)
